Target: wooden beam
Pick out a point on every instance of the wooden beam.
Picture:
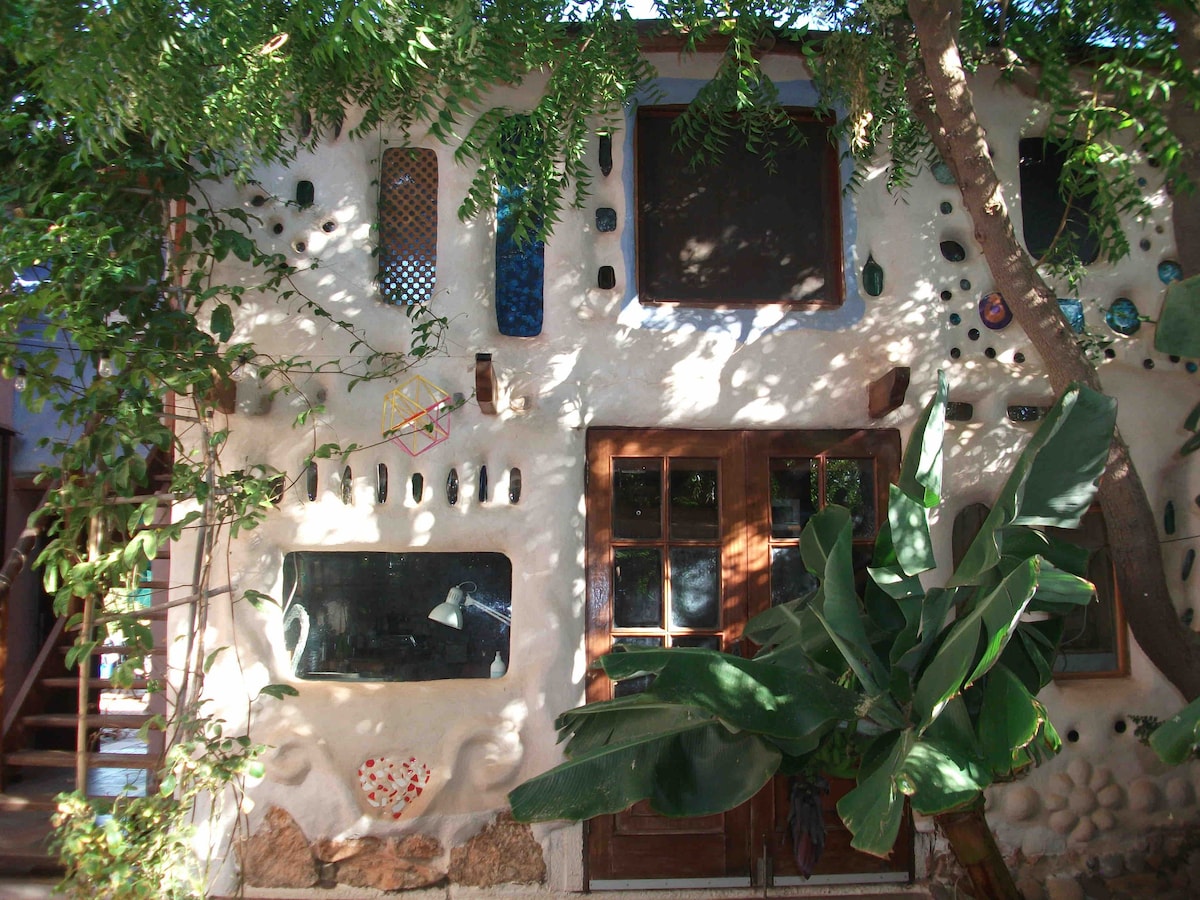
(485, 383)
(887, 393)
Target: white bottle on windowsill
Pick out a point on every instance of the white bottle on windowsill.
(498, 668)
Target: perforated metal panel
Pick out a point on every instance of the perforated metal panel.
(408, 186)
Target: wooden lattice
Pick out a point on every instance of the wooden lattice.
(408, 187)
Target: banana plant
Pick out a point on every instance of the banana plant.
(936, 687)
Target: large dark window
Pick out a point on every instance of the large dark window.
(365, 616)
(738, 231)
(1050, 216)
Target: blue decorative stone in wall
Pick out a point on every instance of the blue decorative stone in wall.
(1122, 317)
(606, 219)
(994, 312)
(941, 173)
(1072, 311)
(1169, 270)
(520, 266)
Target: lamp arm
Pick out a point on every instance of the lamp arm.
(499, 617)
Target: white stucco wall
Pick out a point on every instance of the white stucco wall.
(602, 361)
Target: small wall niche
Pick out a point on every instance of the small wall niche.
(364, 616)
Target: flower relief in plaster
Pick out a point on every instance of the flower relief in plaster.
(392, 786)
(1080, 801)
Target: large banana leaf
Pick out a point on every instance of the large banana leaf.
(691, 769)
(1053, 481)
(957, 662)
(825, 546)
(1175, 740)
(873, 808)
(747, 694)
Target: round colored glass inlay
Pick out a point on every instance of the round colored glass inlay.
(1122, 317)
(994, 311)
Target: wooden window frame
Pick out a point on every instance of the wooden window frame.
(827, 182)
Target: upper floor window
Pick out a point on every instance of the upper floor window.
(408, 192)
(1055, 212)
(739, 231)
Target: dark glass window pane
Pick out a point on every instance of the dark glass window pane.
(1089, 641)
(789, 579)
(707, 641)
(634, 685)
(1043, 205)
(637, 498)
(695, 587)
(793, 495)
(365, 616)
(735, 229)
(851, 483)
(694, 512)
(637, 588)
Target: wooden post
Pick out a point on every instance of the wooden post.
(887, 393)
(85, 668)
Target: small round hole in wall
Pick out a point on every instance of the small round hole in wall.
(1147, 363)
(1158, 229)
(1073, 736)
(955, 353)
(965, 284)
(1144, 243)
(990, 352)
(1173, 358)
(946, 207)
(299, 246)
(1120, 726)
(973, 334)
(1018, 358)
(947, 295)
(258, 200)
(1110, 353)
(328, 225)
(277, 228)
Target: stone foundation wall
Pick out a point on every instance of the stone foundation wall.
(280, 855)
(1163, 864)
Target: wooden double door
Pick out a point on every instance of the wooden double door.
(690, 533)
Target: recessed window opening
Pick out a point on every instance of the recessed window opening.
(357, 616)
(1047, 219)
(738, 231)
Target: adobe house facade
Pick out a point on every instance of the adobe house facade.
(648, 465)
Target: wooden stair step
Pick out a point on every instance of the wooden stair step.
(94, 720)
(16, 802)
(70, 681)
(66, 759)
(120, 650)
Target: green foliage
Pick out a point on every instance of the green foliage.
(140, 847)
(937, 688)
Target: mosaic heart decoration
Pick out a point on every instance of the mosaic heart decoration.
(392, 786)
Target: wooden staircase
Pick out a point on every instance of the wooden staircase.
(55, 712)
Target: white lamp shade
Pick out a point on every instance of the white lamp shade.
(449, 611)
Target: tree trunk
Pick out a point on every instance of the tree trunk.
(973, 846)
(1185, 125)
(949, 113)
